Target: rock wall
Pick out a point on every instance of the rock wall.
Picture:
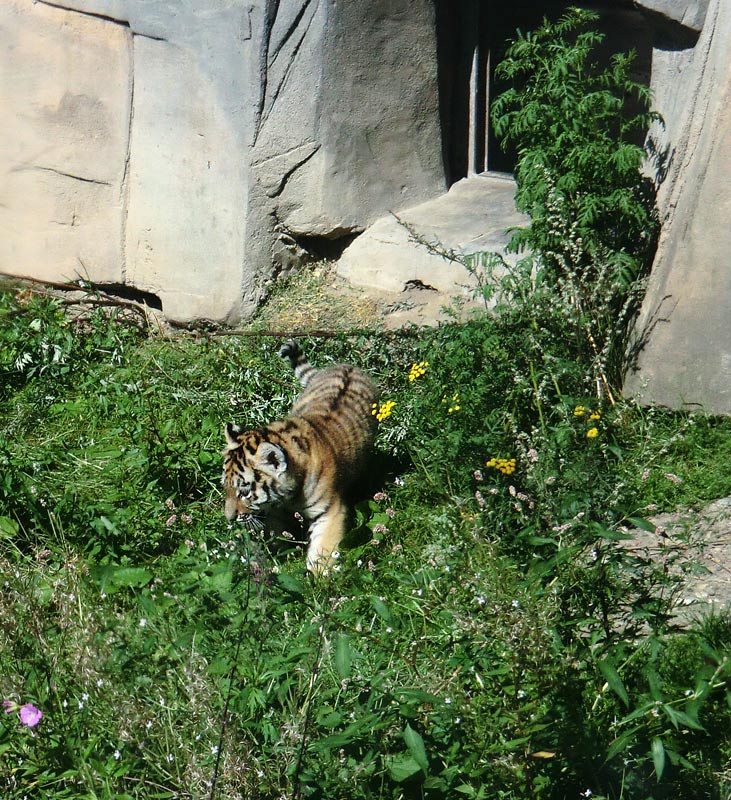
(121, 156)
(684, 331)
(183, 148)
(341, 136)
(195, 150)
(63, 144)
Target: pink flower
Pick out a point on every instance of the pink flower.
(30, 715)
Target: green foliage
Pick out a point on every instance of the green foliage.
(593, 223)
(485, 634)
(40, 339)
(489, 630)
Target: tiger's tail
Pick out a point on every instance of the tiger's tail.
(303, 370)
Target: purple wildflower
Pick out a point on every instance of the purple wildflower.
(30, 715)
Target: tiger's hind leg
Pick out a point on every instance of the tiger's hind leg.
(302, 368)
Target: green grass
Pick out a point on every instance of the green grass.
(483, 635)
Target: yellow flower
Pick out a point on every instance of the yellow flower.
(504, 465)
(417, 370)
(595, 415)
(455, 406)
(383, 411)
(592, 433)
(579, 411)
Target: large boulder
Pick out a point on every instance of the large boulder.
(347, 124)
(683, 334)
(427, 245)
(185, 149)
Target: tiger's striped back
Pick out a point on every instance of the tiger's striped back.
(307, 461)
(337, 402)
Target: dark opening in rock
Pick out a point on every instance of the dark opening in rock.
(125, 292)
(328, 248)
(472, 37)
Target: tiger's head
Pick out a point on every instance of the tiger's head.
(256, 475)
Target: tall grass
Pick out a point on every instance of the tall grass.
(483, 635)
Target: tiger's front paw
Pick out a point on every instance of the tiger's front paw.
(290, 350)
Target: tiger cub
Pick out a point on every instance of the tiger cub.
(308, 460)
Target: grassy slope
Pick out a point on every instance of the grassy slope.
(460, 648)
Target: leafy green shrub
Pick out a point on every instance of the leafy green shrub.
(594, 225)
(39, 339)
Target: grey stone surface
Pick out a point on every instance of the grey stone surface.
(123, 159)
(685, 325)
(342, 136)
(473, 216)
(184, 232)
(695, 547)
(689, 13)
(181, 147)
(63, 143)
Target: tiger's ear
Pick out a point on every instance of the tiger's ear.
(272, 459)
(232, 434)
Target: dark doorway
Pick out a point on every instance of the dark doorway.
(472, 37)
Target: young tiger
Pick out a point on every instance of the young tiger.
(307, 461)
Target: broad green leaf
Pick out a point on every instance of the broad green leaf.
(643, 524)
(658, 756)
(638, 712)
(328, 718)
(112, 578)
(380, 608)
(602, 532)
(290, 584)
(620, 744)
(343, 656)
(419, 695)
(131, 576)
(615, 682)
(415, 744)
(8, 528)
(401, 768)
(682, 719)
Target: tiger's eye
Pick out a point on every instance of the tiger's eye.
(244, 490)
